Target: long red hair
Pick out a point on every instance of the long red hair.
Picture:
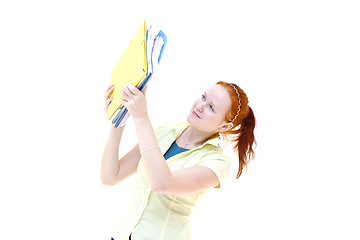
(244, 124)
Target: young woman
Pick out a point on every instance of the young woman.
(175, 166)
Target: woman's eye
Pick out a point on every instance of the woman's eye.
(211, 108)
(203, 97)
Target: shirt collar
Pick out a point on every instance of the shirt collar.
(179, 128)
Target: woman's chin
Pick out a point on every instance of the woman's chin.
(194, 121)
(189, 120)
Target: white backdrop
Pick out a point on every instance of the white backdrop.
(298, 62)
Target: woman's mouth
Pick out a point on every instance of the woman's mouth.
(196, 115)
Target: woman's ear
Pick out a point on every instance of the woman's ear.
(225, 127)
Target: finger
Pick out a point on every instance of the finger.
(123, 102)
(109, 87)
(106, 108)
(133, 89)
(126, 93)
(107, 103)
(144, 90)
(108, 91)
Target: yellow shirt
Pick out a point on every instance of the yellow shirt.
(155, 216)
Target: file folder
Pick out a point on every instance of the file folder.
(136, 66)
(131, 68)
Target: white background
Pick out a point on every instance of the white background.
(298, 62)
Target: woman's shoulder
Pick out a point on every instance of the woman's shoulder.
(216, 152)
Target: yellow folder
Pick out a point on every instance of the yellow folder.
(131, 68)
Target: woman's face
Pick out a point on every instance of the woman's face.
(208, 112)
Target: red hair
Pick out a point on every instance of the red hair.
(244, 124)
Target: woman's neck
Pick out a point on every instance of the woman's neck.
(191, 138)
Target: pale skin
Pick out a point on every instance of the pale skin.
(206, 118)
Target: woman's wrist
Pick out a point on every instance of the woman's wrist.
(141, 120)
(116, 132)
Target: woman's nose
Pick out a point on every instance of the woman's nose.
(201, 107)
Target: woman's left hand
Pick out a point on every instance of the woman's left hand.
(134, 100)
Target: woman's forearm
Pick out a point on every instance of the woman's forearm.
(155, 165)
(110, 161)
(157, 170)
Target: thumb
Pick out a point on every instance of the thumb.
(144, 90)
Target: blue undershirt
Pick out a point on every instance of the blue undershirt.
(173, 150)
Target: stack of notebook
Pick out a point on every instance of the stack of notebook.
(136, 66)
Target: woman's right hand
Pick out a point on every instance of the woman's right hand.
(108, 99)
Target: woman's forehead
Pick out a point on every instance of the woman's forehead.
(219, 95)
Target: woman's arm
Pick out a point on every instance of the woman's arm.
(114, 170)
(160, 178)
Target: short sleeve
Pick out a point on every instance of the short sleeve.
(219, 163)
